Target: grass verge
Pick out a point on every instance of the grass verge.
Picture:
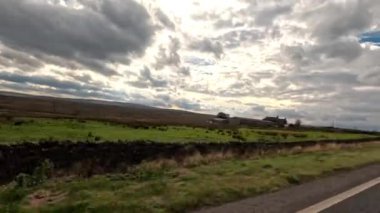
(170, 186)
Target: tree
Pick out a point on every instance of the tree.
(222, 115)
(298, 123)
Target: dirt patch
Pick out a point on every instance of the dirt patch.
(44, 197)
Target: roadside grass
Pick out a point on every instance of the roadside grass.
(170, 186)
(33, 130)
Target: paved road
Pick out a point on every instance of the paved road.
(299, 197)
(364, 202)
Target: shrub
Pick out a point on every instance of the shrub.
(90, 135)
(24, 180)
(293, 179)
(39, 176)
(300, 135)
(12, 195)
(44, 171)
(285, 135)
(162, 129)
(18, 123)
(237, 135)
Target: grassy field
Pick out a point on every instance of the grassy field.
(20, 130)
(167, 186)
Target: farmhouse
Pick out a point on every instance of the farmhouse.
(220, 118)
(281, 122)
(225, 120)
(255, 122)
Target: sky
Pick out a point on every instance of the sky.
(318, 61)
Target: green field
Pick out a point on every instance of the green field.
(167, 186)
(33, 130)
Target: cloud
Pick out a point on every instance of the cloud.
(235, 38)
(168, 56)
(347, 50)
(20, 60)
(164, 19)
(91, 36)
(336, 19)
(208, 46)
(44, 81)
(185, 71)
(266, 16)
(146, 80)
(200, 61)
(289, 113)
(186, 104)
(49, 85)
(370, 77)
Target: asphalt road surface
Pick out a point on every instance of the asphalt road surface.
(345, 192)
(367, 201)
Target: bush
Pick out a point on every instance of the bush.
(39, 176)
(90, 135)
(299, 135)
(24, 180)
(12, 195)
(162, 129)
(293, 179)
(237, 135)
(18, 123)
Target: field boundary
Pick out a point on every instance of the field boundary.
(108, 157)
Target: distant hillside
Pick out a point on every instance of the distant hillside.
(21, 105)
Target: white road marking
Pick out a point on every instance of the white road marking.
(340, 197)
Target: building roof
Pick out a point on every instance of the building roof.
(275, 119)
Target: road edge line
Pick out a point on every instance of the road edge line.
(318, 207)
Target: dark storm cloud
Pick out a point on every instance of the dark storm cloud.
(90, 36)
(208, 46)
